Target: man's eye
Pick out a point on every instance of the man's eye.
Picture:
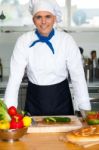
(48, 16)
(38, 17)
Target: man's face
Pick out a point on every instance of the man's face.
(93, 55)
(44, 22)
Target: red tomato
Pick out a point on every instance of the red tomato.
(12, 111)
(16, 124)
(17, 117)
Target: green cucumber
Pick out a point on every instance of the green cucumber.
(57, 119)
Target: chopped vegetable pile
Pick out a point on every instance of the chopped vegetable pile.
(92, 118)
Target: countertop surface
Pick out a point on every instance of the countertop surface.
(4, 81)
(43, 141)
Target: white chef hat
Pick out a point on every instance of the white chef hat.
(45, 5)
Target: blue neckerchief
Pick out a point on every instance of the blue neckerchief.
(44, 39)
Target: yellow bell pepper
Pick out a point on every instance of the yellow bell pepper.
(4, 124)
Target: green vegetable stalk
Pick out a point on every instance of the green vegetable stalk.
(3, 111)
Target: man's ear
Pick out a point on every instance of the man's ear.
(55, 19)
(33, 20)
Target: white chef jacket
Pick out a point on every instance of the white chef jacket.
(46, 68)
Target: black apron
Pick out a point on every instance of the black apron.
(49, 100)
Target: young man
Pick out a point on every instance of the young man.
(47, 54)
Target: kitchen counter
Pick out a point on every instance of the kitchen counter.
(3, 83)
(93, 88)
(43, 141)
(22, 92)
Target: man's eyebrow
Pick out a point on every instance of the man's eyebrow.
(38, 16)
(42, 16)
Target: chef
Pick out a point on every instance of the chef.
(47, 54)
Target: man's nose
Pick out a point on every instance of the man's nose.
(44, 20)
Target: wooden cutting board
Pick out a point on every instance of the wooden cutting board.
(42, 127)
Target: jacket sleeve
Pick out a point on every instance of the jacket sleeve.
(17, 68)
(75, 67)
